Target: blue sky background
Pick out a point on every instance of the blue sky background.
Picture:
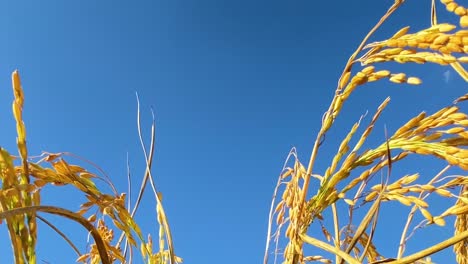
(234, 85)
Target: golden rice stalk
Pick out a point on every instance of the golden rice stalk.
(433, 38)
(461, 225)
(343, 149)
(457, 9)
(362, 77)
(15, 223)
(18, 114)
(414, 122)
(29, 233)
(418, 137)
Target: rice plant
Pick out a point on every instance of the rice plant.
(108, 217)
(303, 196)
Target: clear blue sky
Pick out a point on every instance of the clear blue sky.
(234, 85)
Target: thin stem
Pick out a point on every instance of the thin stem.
(149, 161)
(351, 59)
(329, 248)
(371, 236)
(431, 250)
(373, 211)
(348, 65)
(129, 199)
(336, 227)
